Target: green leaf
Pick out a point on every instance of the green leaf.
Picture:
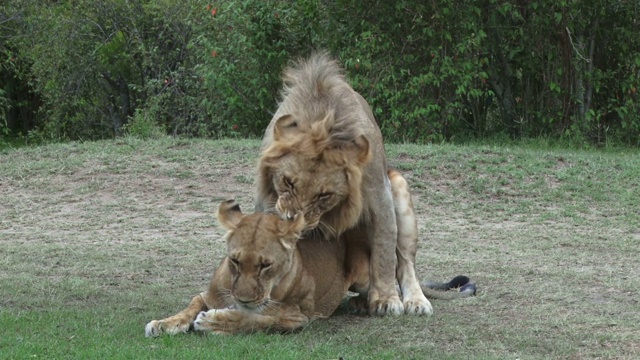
(558, 17)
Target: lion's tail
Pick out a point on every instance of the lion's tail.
(461, 283)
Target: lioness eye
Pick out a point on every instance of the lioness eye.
(234, 261)
(324, 196)
(288, 182)
(265, 265)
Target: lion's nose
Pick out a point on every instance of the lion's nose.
(290, 215)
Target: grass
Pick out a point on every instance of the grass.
(98, 238)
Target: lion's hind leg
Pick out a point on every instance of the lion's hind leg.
(178, 323)
(413, 298)
(358, 305)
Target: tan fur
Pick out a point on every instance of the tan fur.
(304, 279)
(337, 171)
(323, 155)
(269, 280)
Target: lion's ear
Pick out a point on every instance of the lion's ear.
(291, 230)
(229, 214)
(285, 126)
(361, 148)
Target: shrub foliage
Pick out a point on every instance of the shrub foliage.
(433, 71)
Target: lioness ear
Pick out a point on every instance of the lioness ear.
(285, 126)
(291, 230)
(229, 214)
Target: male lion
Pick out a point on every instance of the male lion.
(323, 154)
(274, 279)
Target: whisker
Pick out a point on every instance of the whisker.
(328, 229)
(227, 298)
(270, 305)
(270, 207)
(323, 232)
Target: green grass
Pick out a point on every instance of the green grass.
(114, 333)
(98, 238)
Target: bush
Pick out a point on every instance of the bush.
(432, 71)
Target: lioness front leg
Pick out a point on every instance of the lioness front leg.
(414, 300)
(231, 321)
(383, 296)
(178, 323)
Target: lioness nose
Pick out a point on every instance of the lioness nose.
(290, 216)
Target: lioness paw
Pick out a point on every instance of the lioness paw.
(158, 327)
(204, 320)
(220, 321)
(153, 329)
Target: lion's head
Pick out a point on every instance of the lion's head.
(315, 170)
(260, 249)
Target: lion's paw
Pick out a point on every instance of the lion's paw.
(415, 303)
(158, 327)
(386, 306)
(418, 307)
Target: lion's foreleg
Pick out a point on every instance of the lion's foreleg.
(383, 296)
(231, 321)
(413, 298)
(178, 323)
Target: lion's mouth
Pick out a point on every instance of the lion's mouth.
(311, 220)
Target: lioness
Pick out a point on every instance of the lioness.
(322, 154)
(274, 279)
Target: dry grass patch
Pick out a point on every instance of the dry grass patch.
(96, 239)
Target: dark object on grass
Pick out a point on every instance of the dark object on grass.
(461, 282)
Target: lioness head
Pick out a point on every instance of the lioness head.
(316, 171)
(260, 250)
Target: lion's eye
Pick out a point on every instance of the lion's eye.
(288, 182)
(235, 262)
(324, 195)
(265, 265)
